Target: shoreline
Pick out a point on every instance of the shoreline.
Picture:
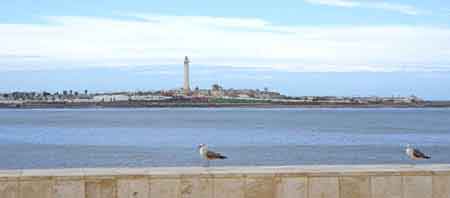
(145, 104)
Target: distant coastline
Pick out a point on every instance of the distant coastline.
(148, 104)
(216, 97)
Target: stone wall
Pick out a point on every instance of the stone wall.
(371, 181)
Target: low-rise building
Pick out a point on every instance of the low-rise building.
(111, 98)
(149, 97)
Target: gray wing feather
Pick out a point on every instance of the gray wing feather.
(419, 154)
(214, 155)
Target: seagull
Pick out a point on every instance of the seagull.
(415, 154)
(209, 155)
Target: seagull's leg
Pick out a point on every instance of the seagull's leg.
(208, 163)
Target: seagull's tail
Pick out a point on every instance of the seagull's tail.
(222, 157)
(426, 157)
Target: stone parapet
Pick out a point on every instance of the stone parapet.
(352, 181)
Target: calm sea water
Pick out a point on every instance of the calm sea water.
(56, 138)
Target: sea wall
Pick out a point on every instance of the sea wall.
(365, 181)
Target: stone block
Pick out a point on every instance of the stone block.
(355, 187)
(165, 188)
(101, 189)
(194, 187)
(386, 186)
(259, 187)
(417, 186)
(441, 186)
(36, 189)
(9, 189)
(291, 187)
(229, 187)
(323, 187)
(133, 188)
(69, 189)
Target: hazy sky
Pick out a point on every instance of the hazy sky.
(290, 38)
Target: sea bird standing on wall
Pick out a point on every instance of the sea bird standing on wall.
(415, 154)
(209, 155)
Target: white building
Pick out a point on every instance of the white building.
(111, 98)
(150, 98)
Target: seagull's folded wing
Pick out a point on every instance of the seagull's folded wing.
(214, 155)
(419, 154)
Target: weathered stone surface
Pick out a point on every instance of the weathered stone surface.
(9, 189)
(193, 187)
(291, 187)
(386, 186)
(417, 186)
(323, 187)
(165, 188)
(377, 181)
(259, 187)
(69, 189)
(441, 186)
(36, 189)
(101, 189)
(355, 187)
(133, 188)
(10, 175)
(229, 188)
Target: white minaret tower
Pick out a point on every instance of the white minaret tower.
(186, 87)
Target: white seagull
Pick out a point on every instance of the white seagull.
(209, 155)
(415, 154)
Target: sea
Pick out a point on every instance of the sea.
(148, 137)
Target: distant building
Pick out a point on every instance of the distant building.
(150, 98)
(217, 91)
(243, 95)
(111, 98)
(186, 87)
(202, 93)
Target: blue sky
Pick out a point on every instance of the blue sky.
(343, 41)
(290, 12)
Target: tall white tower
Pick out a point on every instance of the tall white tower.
(186, 87)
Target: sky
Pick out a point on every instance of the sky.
(299, 47)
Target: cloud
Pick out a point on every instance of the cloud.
(206, 21)
(401, 8)
(73, 41)
(382, 5)
(339, 3)
(17, 56)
